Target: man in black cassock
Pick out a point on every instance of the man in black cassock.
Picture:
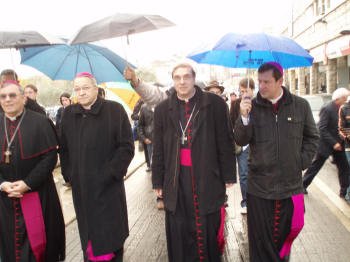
(96, 150)
(31, 220)
(193, 163)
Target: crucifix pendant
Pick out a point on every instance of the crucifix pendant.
(7, 156)
(183, 139)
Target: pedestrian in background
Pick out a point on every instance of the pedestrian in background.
(65, 101)
(282, 137)
(246, 89)
(331, 143)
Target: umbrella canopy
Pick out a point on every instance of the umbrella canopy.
(119, 25)
(251, 51)
(123, 93)
(18, 39)
(63, 62)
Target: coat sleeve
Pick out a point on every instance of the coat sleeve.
(243, 134)
(225, 145)
(125, 148)
(327, 137)
(151, 95)
(310, 138)
(158, 167)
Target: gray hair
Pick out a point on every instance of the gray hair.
(20, 88)
(339, 93)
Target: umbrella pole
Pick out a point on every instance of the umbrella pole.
(250, 58)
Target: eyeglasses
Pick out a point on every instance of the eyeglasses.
(84, 88)
(185, 78)
(10, 95)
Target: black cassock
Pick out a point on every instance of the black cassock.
(33, 158)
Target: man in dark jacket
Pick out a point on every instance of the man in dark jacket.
(193, 163)
(282, 137)
(331, 143)
(145, 132)
(96, 150)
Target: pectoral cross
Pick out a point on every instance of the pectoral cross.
(7, 156)
(183, 139)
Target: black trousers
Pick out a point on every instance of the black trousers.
(340, 161)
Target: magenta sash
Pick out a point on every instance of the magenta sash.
(92, 257)
(35, 226)
(297, 224)
(185, 157)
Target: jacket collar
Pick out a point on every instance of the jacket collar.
(285, 99)
(95, 108)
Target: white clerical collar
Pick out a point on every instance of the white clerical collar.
(13, 118)
(274, 101)
(187, 99)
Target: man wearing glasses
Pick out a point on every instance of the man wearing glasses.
(96, 150)
(31, 220)
(193, 163)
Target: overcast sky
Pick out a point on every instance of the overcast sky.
(197, 21)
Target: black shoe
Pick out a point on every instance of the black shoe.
(342, 195)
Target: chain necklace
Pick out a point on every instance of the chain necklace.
(8, 153)
(183, 131)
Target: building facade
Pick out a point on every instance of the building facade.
(323, 28)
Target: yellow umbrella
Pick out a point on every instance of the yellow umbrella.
(122, 93)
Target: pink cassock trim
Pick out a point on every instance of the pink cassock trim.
(185, 157)
(90, 254)
(297, 224)
(220, 236)
(35, 226)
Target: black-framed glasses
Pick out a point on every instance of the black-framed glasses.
(10, 95)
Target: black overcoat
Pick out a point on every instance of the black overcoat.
(213, 158)
(97, 148)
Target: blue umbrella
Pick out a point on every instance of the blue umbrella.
(251, 51)
(63, 62)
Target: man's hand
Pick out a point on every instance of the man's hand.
(159, 192)
(147, 141)
(130, 75)
(18, 189)
(245, 106)
(6, 187)
(228, 185)
(15, 189)
(337, 147)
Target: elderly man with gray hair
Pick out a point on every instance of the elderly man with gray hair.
(331, 143)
